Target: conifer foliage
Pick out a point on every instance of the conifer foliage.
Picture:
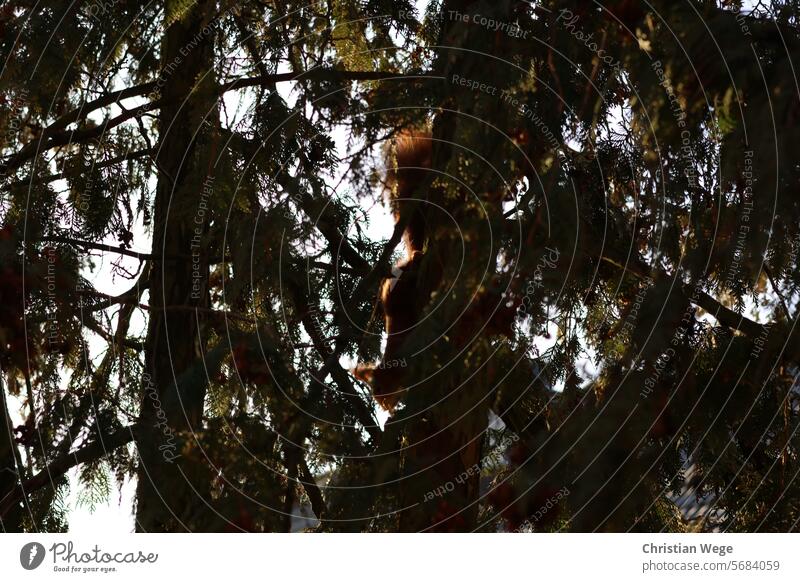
(196, 234)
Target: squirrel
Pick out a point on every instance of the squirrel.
(403, 295)
(399, 294)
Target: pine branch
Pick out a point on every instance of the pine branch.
(726, 316)
(338, 242)
(60, 466)
(99, 247)
(91, 106)
(318, 74)
(339, 375)
(51, 136)
(366, 284)
(46, 142)
(131, 296)
(92, 324)
(100, 165)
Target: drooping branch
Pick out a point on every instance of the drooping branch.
(93, 325)
(58, 468)
(370, 281)
(311, 207)
(340, 377)
(97, 166)
(337, 241)
(44, 143)
(249, 43)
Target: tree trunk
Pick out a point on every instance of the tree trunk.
(441, 461)
(171, 491)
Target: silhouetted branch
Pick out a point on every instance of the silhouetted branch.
(59, 467)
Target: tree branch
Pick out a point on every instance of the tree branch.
(342, 379)
(92, 324)
(91, 106)
(44, 143)
(308, 482)
(131, 296)
(318, 74)
(725, 316)
(99, 247)
(60, 176)
(52, 136)
(59, 467)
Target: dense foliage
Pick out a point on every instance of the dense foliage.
(614, 226)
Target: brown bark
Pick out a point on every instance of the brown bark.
(171, 492)
(444, 440)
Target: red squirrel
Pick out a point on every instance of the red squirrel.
(402, 295)
(399, 294)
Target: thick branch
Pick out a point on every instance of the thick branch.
(634, 265)
(725, 316)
